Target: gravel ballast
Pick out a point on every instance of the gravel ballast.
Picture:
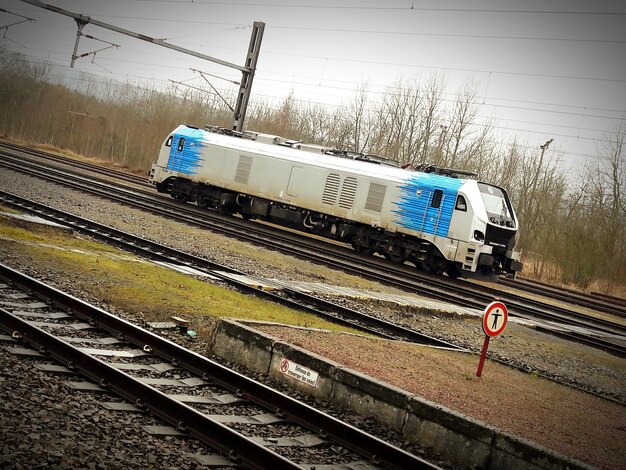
(531, 350)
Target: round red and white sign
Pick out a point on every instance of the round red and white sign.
(494, 318)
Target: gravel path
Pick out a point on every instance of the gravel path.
(46, 424)
(531, 350)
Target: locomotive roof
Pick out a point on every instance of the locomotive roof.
(362, 167)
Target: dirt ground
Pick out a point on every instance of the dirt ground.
(561, 418)
(577, 424)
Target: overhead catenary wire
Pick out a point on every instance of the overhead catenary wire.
(379, 8)
(393, 91)
(389, 32)
(261, 78)
(269, 76)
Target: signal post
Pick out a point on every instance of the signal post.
(494, 321)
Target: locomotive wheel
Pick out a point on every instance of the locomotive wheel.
(395, 259)
(453, 271)
(363, 250)
(424, 266)
(203, 204)
(180, 197)
(225, 210)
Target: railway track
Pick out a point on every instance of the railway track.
(83, 165)
(157, 252)
(593, 300)
(296, 300)
(461, 293)
(250, 424)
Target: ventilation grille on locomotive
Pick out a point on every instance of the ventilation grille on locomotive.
(375, 197)
(243, 169)
(348, 192)
(331, 189)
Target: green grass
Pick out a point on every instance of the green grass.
(8, 210)
(39, 234)
(138, 286)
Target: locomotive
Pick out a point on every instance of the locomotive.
(441, 220)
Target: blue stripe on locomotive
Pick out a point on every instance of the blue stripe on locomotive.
(190, 159)
(415, 212)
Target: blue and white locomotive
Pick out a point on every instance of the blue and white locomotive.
(440, 223)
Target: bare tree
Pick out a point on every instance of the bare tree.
(358, 115)
(463, 117)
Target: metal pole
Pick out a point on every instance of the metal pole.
(248, 75)
(81, 24)
(483, 355)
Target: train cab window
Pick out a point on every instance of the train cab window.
(181, 144)
(461, 205)
(168, 142)
(437, 196)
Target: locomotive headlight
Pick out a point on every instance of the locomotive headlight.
(479, 236)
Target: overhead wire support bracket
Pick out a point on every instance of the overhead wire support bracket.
(215, 76)
(203, 90)
(81, 24)
(247, 70)
(202, 74)
(25, 19)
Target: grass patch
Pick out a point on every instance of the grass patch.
(46, 235)
(135, 285)
(8, 210)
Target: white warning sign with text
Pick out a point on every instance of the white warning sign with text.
(298, 372)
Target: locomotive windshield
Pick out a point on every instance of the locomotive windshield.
(497, 204)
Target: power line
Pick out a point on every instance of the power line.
(260, 77)
(476, 124)
(567, 152)
(345, 106)
(610, 110)
(448, 100)
(172, 20)
(396, 64)
(368, 31)
(477, 36)
(411, 8)
(527, 74)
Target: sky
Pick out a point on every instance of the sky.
(541, 69)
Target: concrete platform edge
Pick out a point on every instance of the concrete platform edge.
(458, 438)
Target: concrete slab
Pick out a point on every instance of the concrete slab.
(185, 269)
(34, 220)
(456, 437)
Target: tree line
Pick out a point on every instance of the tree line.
(572, 229)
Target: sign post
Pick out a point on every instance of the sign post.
(494, 321)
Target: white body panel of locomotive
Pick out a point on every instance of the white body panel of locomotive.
(300, 179)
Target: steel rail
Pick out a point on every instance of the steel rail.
(102, 170)
(613, 307)
(238, 447)
(590, 341)
(463, 294)
(593, 300)
(296, 300)
(374, 449)
(609, 298)
(576, 298)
